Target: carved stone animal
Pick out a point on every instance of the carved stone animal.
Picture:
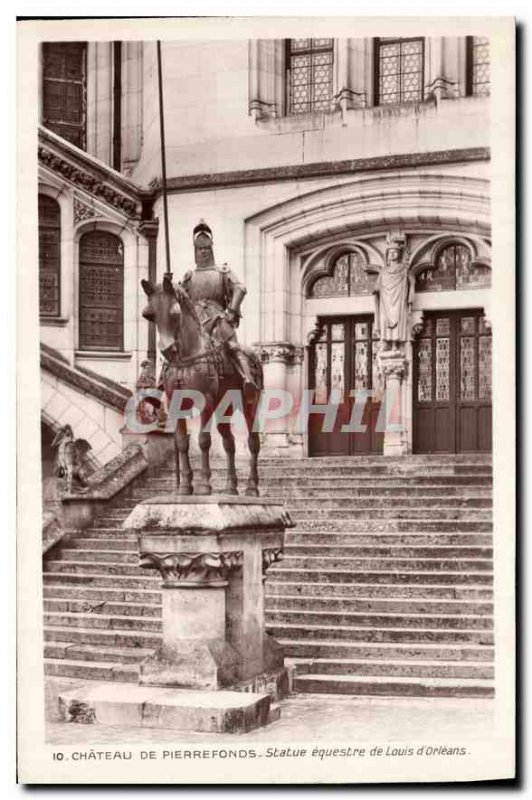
(71, 463)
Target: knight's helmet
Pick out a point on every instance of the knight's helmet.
(202, 233)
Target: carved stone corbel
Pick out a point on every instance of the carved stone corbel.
(192, 567)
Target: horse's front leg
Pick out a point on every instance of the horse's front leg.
(184, 470)
(204, 440)
(228, 440)
(252, 487)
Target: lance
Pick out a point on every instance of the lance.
(168, 273)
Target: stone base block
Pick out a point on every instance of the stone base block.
(277, 684)
(138, 706)
(192, 665)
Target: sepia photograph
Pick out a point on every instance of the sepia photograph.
(267, 288)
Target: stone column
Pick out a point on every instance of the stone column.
(278, 359)
(394, 369)
(440, 85)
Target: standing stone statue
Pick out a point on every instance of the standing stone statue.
(392, 296)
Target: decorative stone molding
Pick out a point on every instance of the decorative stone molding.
(282, 352)
(326, 168)
(92, 176)
(104, 389)
(193, 567)
(82, 211)
(271, 556)
(416, 323)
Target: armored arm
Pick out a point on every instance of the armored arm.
(235, 292)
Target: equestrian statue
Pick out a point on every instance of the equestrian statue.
(196, 319)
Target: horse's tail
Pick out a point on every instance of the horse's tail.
(256, 367)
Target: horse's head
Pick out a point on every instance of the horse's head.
(164, 309)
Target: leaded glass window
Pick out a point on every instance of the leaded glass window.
(309, 70)
(424, 370)
(479, 65)
(64, 89)
(399, 70)
(453, 270)
(49, 257)
(101, 292)
(348, 278)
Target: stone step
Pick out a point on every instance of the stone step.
(361, 633)
(104, 621)
(347, 523)
(376, 605)
(345, 562)
(385, 651)
(93, 652)
(297, 487)
(363, 619)
(293, 550)
(81, 606)
(375, 512)
(413, 458)
(350, 501)
(145, 580)
(94, 670)
(360, 524)
(298, 537)
(381, 590)
(396, 687)
(121, 543)
(375, 466)
(279, 575)
(394, 668)
(109, 638)
(97, 567)
(94, 594)
(99, 555)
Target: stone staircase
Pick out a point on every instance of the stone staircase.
(385, 588)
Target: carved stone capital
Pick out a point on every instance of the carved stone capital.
(148, 228)
(260, 109)
(192, 567)
(416, 323)
(393, 364)
(281, 352)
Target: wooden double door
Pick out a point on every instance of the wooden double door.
(452, 383)
(343, 357)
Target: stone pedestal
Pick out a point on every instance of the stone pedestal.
(393, 365)
(217, 670)
(212, 553)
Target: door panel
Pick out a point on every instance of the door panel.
(452, 383)
(343, 358)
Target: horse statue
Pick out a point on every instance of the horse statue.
(193, 359)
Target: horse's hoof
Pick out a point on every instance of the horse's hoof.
(185, 491)
(252, 492)
(203, 489)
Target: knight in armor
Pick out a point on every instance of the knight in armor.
(217, 295)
